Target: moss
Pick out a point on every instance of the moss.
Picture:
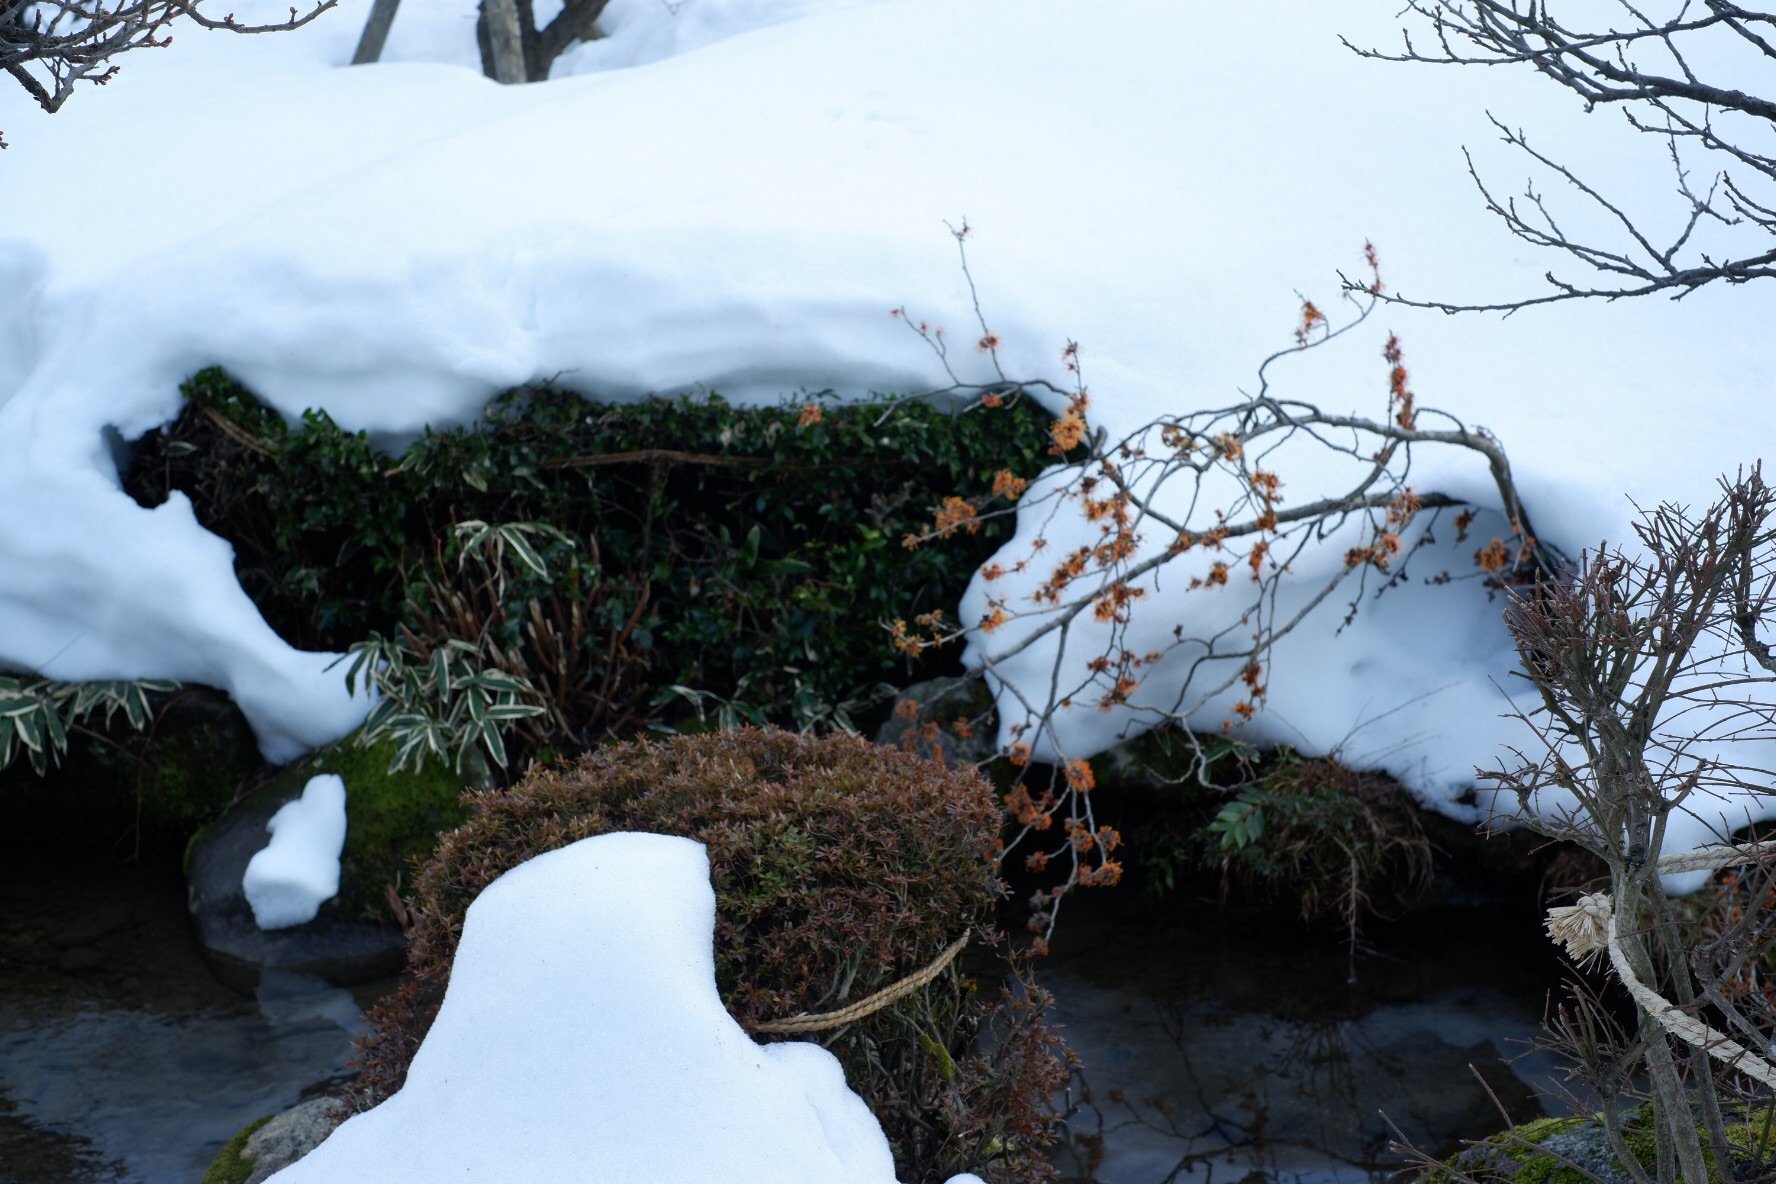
(1514, 1154)
(191, 776)
(232, 1165)
(393, 820)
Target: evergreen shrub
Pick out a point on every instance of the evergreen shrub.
(705, 553)
(839, 868)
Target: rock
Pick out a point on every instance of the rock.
(291, 1135)
(390, 820)
(1550, 1148)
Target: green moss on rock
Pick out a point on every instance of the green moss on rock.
(191, 776)
(1546, 1150)
(393, 820)
(232, 1165)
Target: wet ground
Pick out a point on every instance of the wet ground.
(1214, 1047)
(121, 1059)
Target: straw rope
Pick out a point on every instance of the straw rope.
(1590, 928)
(893, 993)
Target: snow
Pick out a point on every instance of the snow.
(731, 195)
(589, 967)
(288, 880)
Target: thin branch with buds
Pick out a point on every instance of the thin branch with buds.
(1644, 68)
(49, 46)
(1194, 502)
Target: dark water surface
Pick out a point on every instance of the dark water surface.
(121, 1059)
(1227, 1049)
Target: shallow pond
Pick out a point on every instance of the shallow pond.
(1213, 1048)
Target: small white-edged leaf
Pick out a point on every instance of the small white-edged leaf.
(527, 554)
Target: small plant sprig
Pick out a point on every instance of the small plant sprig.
(447, 697)
(442, 704)
(36, 714)
(809, 711)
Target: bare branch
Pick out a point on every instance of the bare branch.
(49, 46)
(1642, 67)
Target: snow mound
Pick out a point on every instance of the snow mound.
(582, 1039)
(298, 871)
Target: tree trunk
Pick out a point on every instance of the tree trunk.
(504, 61)
(376, 31)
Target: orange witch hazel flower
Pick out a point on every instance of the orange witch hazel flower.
(1493, 557)
(1007, 486)
(810, 415)
(1400, 397)
(1068, 431)
(1080, 777)
(956, 514)
(1310, 317)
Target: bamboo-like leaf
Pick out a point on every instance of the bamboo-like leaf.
(504, 712)
(439, 672)
(135, 707)
(494, 743)
(500, 682)
(30, 731)
(360, 656)
(56, 736)
(526, 553)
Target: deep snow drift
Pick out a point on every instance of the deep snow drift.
(732, 194)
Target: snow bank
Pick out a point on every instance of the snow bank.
(582, 1039)
(1154, 179)
(288, 880)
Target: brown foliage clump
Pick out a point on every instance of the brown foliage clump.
(839, 868)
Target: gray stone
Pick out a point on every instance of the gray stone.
(290, 1136)
(341, 951)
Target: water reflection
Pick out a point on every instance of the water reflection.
(1216, 1052)
(130, 1065)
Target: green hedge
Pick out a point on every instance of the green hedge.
(745, 555)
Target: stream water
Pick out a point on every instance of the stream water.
(1213, 1048)
(1221, 1048)
(122, 1060)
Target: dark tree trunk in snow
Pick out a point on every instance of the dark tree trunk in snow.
(502, 55)
(376, 31)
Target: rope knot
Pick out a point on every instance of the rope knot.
(1583, 928)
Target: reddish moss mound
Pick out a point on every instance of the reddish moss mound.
(839, 868)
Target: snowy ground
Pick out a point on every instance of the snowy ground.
(732, 195)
